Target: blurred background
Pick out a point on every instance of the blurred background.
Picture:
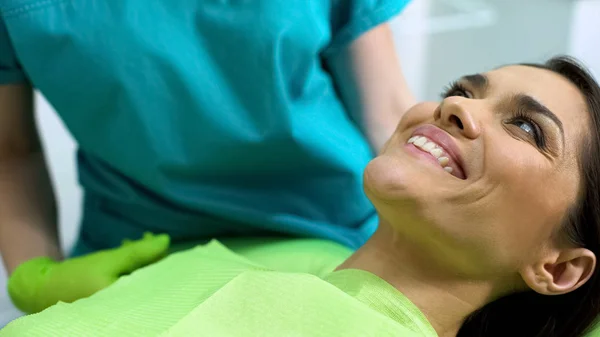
(437, 40)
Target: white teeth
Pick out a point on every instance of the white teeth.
(436, 153)
(420, 141)
(429, 146)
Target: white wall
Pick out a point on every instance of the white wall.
(585, 34)
(60, 151)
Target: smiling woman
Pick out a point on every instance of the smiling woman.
(489, 226)
(521, 223)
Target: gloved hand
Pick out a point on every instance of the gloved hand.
(42, 282)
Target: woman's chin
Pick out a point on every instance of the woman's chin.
(388, 178)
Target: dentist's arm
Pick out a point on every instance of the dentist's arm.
(370, 81)
(27, 204)
(39, 277)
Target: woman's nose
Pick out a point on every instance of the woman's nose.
(455, 114)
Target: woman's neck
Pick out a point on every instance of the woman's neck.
(446, 300)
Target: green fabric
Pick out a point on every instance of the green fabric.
(594, 333)
(212, 291)
(313, 256)
(382, 297)
(41, 282)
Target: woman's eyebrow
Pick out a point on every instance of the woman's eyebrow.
(477, 81)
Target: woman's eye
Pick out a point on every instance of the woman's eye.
(455, 89)
(532, 129)
(458, 92)
(526, 126)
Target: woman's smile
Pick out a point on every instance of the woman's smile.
(432, 143)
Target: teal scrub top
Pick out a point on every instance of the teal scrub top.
(201, 118)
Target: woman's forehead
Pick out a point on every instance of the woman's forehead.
(542, 83)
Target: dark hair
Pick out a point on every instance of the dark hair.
(530, 314)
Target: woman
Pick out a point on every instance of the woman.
(489, 227)
(197, 119)
(510, 236)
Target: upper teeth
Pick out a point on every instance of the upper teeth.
(435, 150)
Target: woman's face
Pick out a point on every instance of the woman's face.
(483, 179)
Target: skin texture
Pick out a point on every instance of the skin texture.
(453, 245)
(27, 204)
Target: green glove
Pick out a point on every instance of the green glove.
(42, 282)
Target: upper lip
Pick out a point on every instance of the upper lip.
(444, 140)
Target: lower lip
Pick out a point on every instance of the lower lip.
(423, 155)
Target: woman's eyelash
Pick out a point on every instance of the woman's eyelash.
(538, 132)
(454, 89)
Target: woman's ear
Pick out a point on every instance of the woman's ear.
(560, 272)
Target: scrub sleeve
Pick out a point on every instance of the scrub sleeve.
(10, 71)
